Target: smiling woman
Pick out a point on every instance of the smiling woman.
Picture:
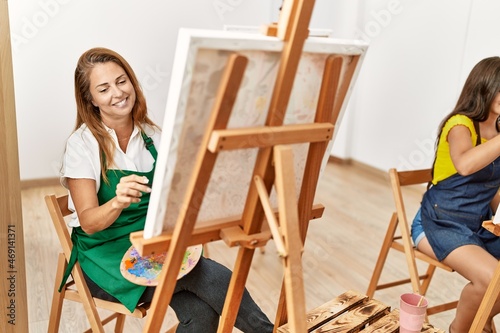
(108, 168)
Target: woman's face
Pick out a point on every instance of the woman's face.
(112, 92)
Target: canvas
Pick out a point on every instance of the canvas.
(200, 59)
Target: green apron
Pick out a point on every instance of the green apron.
(100, 254)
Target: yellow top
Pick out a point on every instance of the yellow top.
(444, 168)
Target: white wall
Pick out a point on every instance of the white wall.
(413, 72)
(483, 39)
(48, 36)
(419, 56)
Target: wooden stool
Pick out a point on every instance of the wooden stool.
(353, 312)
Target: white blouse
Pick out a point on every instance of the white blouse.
(81, 158)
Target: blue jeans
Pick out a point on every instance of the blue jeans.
(198, 300)
(417, 231)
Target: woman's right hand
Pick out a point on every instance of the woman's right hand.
(129, 190)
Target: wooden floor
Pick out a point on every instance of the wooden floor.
(339, 254)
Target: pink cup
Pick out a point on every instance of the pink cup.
(411, 313)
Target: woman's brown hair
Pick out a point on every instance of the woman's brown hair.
(479, 91)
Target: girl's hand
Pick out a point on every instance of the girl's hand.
(129, 190)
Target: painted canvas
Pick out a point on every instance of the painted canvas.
(199, 62)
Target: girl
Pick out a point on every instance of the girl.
(466, 178)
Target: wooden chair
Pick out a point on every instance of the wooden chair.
(402, 242)
(76, 289)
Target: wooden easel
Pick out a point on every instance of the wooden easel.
(274, 166)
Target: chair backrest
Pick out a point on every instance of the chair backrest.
(399, 179)
(58, 209)
(402, 242)
(406, 178)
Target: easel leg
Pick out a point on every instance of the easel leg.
(486, 305)
(289, 220)
(235, 290)
(293, 275)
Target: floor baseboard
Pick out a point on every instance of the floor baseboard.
(39, 182)
(360, 165)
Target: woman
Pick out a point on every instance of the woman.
(466, 179)
(108, 168)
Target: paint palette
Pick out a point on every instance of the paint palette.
(146, 270)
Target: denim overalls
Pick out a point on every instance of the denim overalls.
(454, 209)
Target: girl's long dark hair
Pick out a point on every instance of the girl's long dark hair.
(478, 93)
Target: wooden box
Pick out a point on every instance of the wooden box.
(353, 312)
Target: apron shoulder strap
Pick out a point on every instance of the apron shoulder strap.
(149, 145)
